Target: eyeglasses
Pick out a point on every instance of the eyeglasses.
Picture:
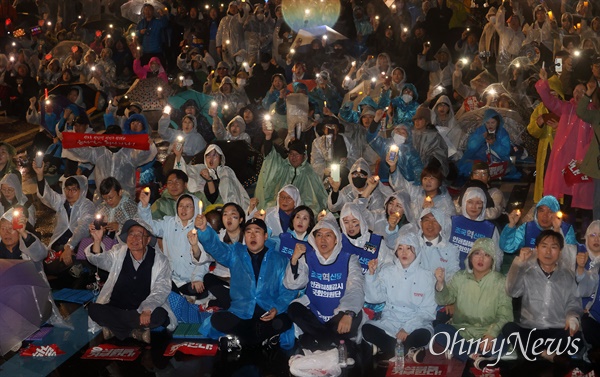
(72, 189)
(480, 173)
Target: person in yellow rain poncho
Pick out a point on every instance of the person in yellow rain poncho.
(543, 128)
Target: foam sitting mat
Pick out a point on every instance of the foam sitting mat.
(78, 296)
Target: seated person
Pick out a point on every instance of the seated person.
(587, 277)
(236, 128)
(363, 189)
(179, 243)
(428, 142)
(545, 217)
(134, 298)
(217, 281)
(357, 239)
(11, 196)
(430, 194)
(73, 214)
(325, 319)
(471, 225)
(217, 180)
(290, 167)
(481, 305)
(116, 208)
(18, 243)
(333, 147)
(259, 300)
(302, 222)
(549, 298)
(481, 173)
(185, 138)
(176, 186)
(408, 291)
(488, 143)
(278, 218)
(393, 216)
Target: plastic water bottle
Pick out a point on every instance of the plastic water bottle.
(342, 354)
(399, 362)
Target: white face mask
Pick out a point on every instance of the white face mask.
(188, 82)
(399, 139)
(240, 82)
(493, 19)
(407, 98)
(239, 59)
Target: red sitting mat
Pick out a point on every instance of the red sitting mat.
(418, 370)
(112, 352)
(192, 348)
(42, 351)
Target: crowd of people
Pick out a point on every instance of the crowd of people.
(376, 216)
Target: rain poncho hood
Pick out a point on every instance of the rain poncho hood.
(441, 218)
(594, 227)
(298, 87)
(404, 199)
(239, 120)
(193, 119)
(215, 147)
(491, 113)
(487, 246)
(472, 193)
(292, 191)
(548, 201)
(327, 222)
(360, 164)
(83, 186)
(414, 90)
(11, 180)
(442, 99)
(353, 209)
(139, 117)
(226, 80)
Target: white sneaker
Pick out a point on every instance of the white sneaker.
(417, 355)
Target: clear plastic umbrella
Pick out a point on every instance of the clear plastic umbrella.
(513, 124)
(63, 49)
(132, 10)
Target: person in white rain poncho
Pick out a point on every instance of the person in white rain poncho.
(330, 310)
(409, 293)
(357, 239)
(12, 196)
(180, 244)
(549, 296)
(395, 214)
(117, 162)
(230, 34)
(442, 117)
(363, 189)
(278, 218)
(134, 298)
(236, 129)
(471, 225)
(187, 135)
(331, 148)
(73, 214)
(218, 181)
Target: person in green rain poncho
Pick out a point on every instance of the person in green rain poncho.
(291, 167)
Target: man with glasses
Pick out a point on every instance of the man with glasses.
(134, 298)
(166, 205)
(73, 212)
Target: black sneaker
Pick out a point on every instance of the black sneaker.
(271, 343)
(481, 362)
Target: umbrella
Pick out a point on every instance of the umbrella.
(306, 36)
(102, 22)
(132, 10)
(513, 124)
(146, 92)
(24, 302)
(93, 99)
(63, 49)
(310, 84)
(25, 20)
(202, 101)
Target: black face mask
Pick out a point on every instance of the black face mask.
(359, 182)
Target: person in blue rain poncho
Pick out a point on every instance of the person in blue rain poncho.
(136, 124)
(404, 106)
(259, 300)
(407, 161)
(489, 143)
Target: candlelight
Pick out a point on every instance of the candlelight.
(335, 172)
(147, 190)
(559, 214)
(428, 199)
(323, 213)
(194, 231)
(262, 212)
(200, 206)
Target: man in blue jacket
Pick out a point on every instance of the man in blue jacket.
(151, 31)
(259, 300)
